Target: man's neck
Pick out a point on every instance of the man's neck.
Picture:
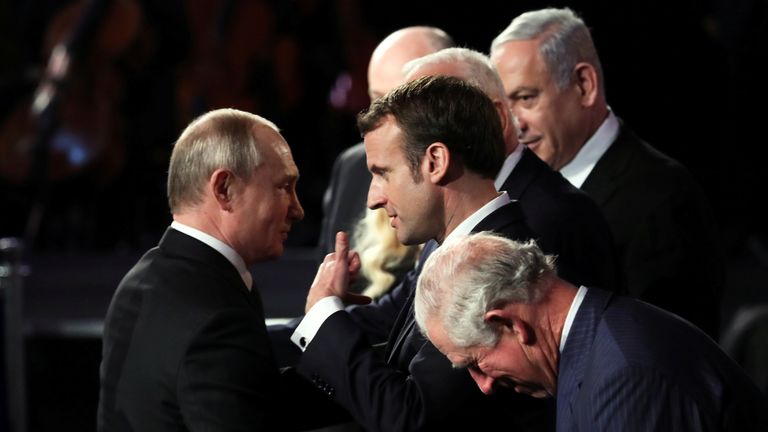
(560, 304)
(462, 201)
(201, 221)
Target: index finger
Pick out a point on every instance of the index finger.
(342, 245)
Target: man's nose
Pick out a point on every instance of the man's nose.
(521, 124)
(296, 211)
(376, 198)
(483, 381)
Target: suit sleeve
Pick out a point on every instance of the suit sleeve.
(228, 378)
(638, 399)
(429, 395)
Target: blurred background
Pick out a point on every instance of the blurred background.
(687, 76)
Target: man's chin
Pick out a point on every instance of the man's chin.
(410, 240)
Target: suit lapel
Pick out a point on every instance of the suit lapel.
(603, 182)
(576, 353)
(405, 320)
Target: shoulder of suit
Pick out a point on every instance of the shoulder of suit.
(650, 160)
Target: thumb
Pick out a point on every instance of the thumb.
(342, 244)
(342, 249)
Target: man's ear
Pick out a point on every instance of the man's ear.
(586, 83)
(436, 162)
(510, 323)
(221, 184)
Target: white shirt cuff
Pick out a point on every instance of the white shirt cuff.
(315, 318)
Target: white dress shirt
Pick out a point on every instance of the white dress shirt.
(575, 305)
(220, 247)
(327, 306)
(578, 169)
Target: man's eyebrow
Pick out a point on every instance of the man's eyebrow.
(515, 92)
(377, 169)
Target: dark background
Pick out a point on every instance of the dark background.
(687, 76)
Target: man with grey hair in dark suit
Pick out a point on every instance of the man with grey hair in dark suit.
(662, 225)
(496, 307)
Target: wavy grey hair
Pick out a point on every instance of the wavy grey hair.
(464, 279)
(223, 138)
(565, 42)
(471, 66)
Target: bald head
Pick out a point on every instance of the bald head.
(397, 49)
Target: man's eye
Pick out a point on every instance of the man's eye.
(525, 97)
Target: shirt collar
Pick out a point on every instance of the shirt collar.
(509, 164)
(466, 226)
(575, 305)
(578, 169)
(230, 254)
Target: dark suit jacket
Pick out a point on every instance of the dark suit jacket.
(415, 388)
(663, 228)
(185, 346)
(566, 222)
(346, 197)
(627, 366)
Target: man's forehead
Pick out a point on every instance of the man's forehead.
(386, 131)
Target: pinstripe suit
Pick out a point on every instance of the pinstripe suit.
(627, 366)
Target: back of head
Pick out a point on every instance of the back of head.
(470, 65)
(223, 138)
(397, 49)
(447, 110)
(565, 41)
(466, 277)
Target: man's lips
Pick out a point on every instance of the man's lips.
(530, 141)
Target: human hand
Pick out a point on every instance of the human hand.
(334, 274)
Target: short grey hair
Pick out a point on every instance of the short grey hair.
(565, 42)
(473, 66)
(464, 279)
(223, 138)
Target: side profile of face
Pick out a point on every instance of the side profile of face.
(407, 201)
(266, 206)
(510, 363)
(551, 121)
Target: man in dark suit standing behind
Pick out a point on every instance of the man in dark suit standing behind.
(661, 222)
(185, 345)
(497, 308)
